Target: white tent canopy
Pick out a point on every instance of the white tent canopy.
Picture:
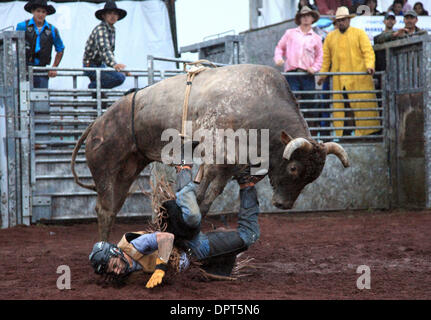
(145, 30)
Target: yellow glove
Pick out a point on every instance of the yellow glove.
(155, 279)
(158, 274)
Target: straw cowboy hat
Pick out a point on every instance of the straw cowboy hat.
(306, 10)
(33, 4)
(343, 12)
(110, 6)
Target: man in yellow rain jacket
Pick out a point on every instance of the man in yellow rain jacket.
(348, 49)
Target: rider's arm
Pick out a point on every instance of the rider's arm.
(165, 242)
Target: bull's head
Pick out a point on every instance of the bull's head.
(302, 162)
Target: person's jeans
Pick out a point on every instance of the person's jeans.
(108, 79)
(248, 225)
(40, 82)
(304, 83)
(298, 83)
(186, 199)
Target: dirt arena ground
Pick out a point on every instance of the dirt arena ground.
(299, 256)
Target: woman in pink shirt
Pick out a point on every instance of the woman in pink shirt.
(302, 50)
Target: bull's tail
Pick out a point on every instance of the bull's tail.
(75, 152)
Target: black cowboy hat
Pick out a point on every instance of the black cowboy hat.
(33, 4)
(110, 6)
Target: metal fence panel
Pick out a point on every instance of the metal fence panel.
(15, 208)
(58, 119)
(409, 127)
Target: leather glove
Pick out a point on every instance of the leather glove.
(155, 279)
(158, 274)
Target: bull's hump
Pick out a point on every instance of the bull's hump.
(226, 72)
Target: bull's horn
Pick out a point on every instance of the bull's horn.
(335, 148)
(298, 143)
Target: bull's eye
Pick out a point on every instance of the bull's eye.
(294, 169)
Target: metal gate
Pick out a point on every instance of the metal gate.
(59, 117)
(408, 63)
(15, 205)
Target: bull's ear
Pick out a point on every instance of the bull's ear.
(285, 138)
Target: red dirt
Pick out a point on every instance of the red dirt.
(299, 256)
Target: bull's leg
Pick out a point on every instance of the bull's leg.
(209, 175)
(105, 216)
(113, 190)
(215, 189)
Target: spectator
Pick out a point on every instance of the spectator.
(388, 33)
(303, 3)
(420, 10)
(302, 48)
(410, 20)
(406, 6)
(348, 49)
(100, 47)
(40, 37)
(397, 7)
(328, 7)
(389, 22)
(325, 87)
(372, 4)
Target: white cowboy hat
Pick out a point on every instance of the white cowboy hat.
(343, 12)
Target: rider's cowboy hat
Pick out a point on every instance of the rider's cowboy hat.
(343, 12)
(33, 4)
(306, 10)
(110, 6)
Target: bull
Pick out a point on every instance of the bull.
(117, 149)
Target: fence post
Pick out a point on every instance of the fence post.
(98, 93)
(15, 143)
(426, 56)
(150, 65)
(25, 153)
(4, 177)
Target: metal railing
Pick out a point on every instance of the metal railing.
(323, 105)
(152, 73)
(71, 110)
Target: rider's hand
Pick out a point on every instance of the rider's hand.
(159, 273)
(155, 279)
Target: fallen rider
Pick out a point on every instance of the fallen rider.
(216, 251)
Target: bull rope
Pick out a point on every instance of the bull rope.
(196, 68)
